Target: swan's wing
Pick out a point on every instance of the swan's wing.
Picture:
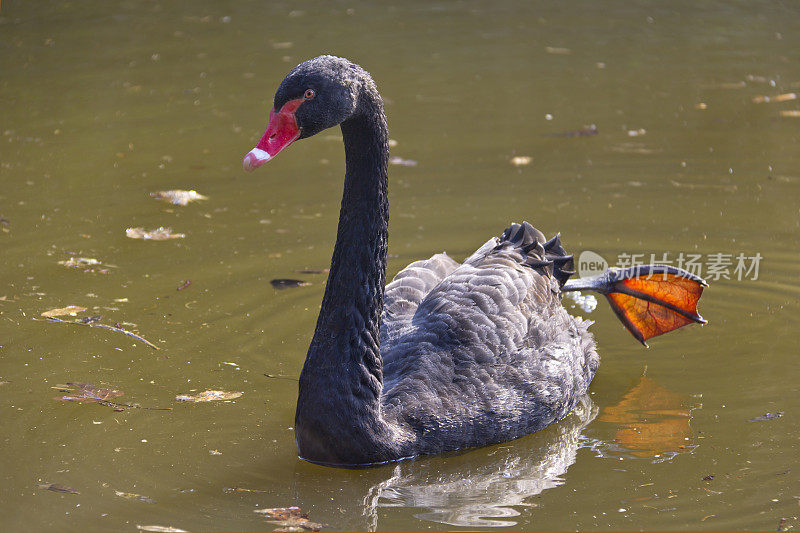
(490, 348)
(404, 293)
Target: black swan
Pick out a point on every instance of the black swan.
(448, 355)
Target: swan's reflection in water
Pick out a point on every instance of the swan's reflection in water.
(486, 487)
(483, 491)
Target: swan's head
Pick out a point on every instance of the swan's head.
(317, 94)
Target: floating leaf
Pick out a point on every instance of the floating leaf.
(557, 50)
(287, 283)
(71, 310)
(158, 234)
(231, 490)
(161, 529)
(79, 262)
(394, 160)
(87, 264)
(209, 396)
(794, 113)
(134, 496)
(290, 518)
(86, 392)
(521, 160)
(178, 197)
(778, 98)
(55, 487)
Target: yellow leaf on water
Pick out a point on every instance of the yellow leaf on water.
(209, 396)
(71, 310)
(779, 98)
(521, 160)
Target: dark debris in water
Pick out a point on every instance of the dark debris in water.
(767, 416)
(290, 519)
(586, 131)
(281, 284)
(184, 285)
(313, 271)
(55, 487)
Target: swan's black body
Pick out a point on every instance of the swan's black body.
(448, 355)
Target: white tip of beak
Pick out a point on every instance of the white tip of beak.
(254, 159)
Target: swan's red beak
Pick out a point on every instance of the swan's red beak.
(281, 132)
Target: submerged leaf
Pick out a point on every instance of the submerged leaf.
(178, 197)
(161, 529)
(209, 396)
(55, 487)
(71, 310)
(86, 392)
(158, 234)
(287, 283)
(290, 518)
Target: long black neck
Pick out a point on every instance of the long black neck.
(341, 382)
(349, 319)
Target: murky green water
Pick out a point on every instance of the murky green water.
(105, 102)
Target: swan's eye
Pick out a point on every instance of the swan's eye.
(309, 94)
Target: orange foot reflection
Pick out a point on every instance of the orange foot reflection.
(652, 420)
